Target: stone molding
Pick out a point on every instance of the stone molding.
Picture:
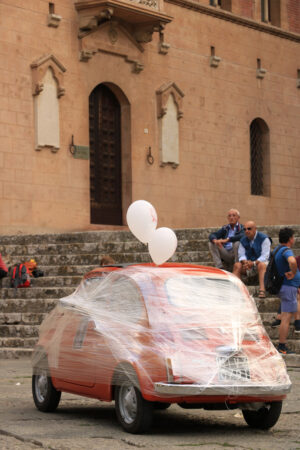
(140, 21)
(215, 61)
(86, 55)
(260, 73)
(114, 30)
(53, 20)
(243, 21)
(162, 95)
(39, 68)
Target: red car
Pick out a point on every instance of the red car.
(147, 336)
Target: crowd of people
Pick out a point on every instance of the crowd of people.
(248, 251)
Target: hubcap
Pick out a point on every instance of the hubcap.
(41, 386)
(128, 403)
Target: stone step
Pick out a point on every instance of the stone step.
(47, 281)
(35, 292)
(24, 306)
(17, 253)
(274, 333)
(35, 250)
(66, 270)
(94, 259)
(189, 234)
(268, 317)
(15, 353)
(74, 237)
(15, 342)
(30, 318)
(19, 331)
(267, 305)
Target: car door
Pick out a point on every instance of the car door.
(77, 350)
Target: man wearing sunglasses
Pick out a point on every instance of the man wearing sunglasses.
(224, 243)
(254, 253)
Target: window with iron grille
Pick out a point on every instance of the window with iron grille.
(259, 158)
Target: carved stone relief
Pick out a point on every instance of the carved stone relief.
(169, 112)
(47, 81)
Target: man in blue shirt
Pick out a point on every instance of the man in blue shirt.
(254, 253)
(224, 243)
(287, 267)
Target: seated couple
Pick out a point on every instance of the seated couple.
(245, 247)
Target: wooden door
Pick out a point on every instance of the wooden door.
(105, 157)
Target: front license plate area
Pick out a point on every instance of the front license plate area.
(233, 368)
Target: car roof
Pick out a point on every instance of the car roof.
(177, 268)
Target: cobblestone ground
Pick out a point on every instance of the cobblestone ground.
(81, 423)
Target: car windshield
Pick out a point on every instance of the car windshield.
(192, 292)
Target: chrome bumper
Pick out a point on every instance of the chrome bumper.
(236, 390)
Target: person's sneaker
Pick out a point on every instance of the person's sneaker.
(276, 323)
(285, 351)
(297, 326)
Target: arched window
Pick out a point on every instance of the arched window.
(259, 158)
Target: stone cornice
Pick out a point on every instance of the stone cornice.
(225, 15)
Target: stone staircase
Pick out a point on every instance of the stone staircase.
(64, 258)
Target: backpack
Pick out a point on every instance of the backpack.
(31, 266)
(20, 276)
(273, 280)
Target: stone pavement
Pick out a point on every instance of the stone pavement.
(81, 423)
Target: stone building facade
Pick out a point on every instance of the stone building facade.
(191, 105)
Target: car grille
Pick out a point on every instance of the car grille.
(233, 368)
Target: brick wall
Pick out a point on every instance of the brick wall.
(293, 13)
(246, 8)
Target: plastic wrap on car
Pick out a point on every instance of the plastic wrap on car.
(173, 331)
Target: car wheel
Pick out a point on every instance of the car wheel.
(45, 396)
(265, 417)
(133, 412)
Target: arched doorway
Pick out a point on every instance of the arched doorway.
(105, 157)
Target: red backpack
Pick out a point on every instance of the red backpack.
(20, 276)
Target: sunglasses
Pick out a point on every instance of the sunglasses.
(249, 228)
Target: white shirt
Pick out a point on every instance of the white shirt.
(265, 250)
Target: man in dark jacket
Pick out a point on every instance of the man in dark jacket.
(254, 254)
(224, 243)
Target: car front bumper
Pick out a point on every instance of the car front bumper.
(258, 390)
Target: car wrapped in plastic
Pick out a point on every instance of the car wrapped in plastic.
(147, 337)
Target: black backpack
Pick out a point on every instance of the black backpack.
(273, 280)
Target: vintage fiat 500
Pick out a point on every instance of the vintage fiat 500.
(147, 337)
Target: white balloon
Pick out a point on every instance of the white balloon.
(162, 245)
(141, 219)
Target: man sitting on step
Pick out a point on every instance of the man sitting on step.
(224, 243)
(254, 253)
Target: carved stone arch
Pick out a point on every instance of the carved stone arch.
(39, 69)
(163, 94)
